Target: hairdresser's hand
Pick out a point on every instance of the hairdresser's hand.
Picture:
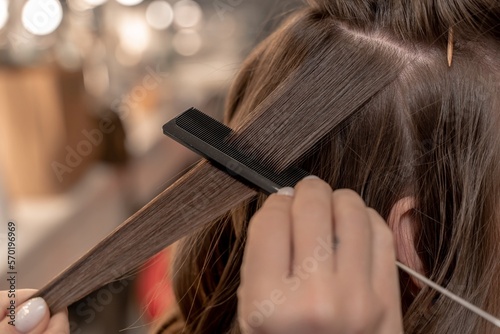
(294, 281)
(32, 316)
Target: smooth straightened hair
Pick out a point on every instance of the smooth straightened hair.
(359, 93)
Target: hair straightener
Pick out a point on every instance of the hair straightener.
(209, 138)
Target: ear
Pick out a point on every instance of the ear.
(403, 226)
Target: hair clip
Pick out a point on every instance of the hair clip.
(450, 46)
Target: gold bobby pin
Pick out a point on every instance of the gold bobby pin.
(450, 46)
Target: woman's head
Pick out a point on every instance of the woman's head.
(397, 125)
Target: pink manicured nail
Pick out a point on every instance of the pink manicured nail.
(312, 177)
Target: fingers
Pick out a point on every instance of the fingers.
(358, 294)
(58, 324)
(385, 275)
(31, 316)
(383, 250)
(354, 232)
(312, 222)
(268, 248)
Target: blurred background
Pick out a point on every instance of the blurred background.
(85, 86)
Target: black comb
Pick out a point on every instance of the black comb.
(208, 137)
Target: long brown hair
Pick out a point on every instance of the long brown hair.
(360, 93)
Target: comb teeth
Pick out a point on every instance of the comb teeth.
(206, 136)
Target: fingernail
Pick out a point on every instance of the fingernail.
(312, 177)
(30, 314)
(286, 192)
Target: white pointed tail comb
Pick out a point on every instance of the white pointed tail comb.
(473, 308)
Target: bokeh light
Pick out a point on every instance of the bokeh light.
(129, 2)
(79, 6)
(159, 14)
(187, 42)
(4, 13)
(42, 17)
(187, 13)
(134, 34)
(94, 3)
(125, 58)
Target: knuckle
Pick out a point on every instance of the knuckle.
(384, 236)
(319, 308)
(348, 205)
(320, 314)
(348, 196)
(278, 202)
(265, 216)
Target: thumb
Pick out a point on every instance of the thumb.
(32, 317)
